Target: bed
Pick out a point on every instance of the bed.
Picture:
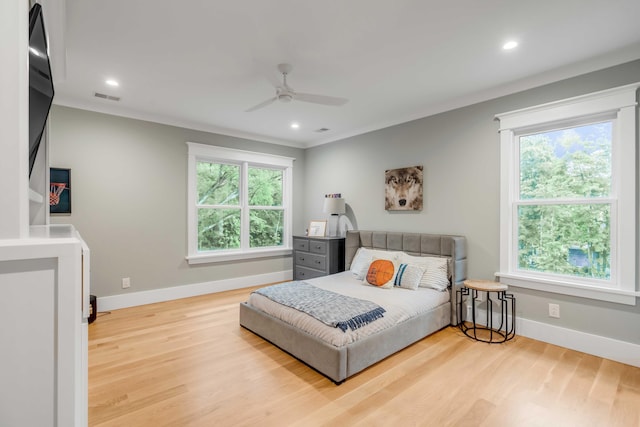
(340, 360)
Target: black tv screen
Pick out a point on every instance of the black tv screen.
(40, 82)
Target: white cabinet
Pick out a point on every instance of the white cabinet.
(44, 299)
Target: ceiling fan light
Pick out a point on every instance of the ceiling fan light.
(286, 94)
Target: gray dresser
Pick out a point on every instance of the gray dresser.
(317, 256)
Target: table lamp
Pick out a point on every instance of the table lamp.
(335, 206)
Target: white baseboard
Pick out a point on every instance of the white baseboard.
(133, 299)
(596, 345)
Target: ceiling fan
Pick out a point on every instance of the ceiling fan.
(284, 93)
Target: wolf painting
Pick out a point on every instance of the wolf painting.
(403, 189)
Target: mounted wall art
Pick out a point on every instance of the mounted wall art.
(60, 191)
(403, 189)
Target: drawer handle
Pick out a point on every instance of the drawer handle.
(301, 259)
(318, 262)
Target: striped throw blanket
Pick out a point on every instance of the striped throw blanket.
(330, 308)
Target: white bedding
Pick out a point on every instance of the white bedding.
(400, 305)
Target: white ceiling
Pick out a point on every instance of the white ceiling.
(200, 64)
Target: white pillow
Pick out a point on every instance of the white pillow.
(360, 263)
(390, 255)
(436, 275)
(408, 276)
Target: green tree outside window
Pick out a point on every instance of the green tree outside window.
(220, 205)
(563, 212)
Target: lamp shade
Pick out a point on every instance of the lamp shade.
(334, 206)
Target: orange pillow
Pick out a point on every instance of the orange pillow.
(381, 272)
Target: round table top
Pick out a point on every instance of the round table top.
(485, 285)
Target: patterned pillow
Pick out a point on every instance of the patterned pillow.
(408, 276)
(381, 273)
(363, 257)
(436, 275)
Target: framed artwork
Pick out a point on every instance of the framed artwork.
(317, 228)
(403, 189)
(59, 191)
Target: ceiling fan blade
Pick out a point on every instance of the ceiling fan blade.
(320, 99)
(261, 105)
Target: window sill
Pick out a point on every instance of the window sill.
(567, 288)
(204, 258)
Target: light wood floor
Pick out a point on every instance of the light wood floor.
(189, 363)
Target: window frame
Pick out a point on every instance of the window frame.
(210, 153)
(619, 106)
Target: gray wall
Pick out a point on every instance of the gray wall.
(129, 182)
(129, 194)
(459, 150)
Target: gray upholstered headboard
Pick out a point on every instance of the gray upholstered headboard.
(420, 244)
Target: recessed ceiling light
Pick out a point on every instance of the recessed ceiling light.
(295, 125)
(112, 82)
(512, 44)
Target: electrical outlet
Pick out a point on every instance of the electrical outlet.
(126, 283)
(554, 310)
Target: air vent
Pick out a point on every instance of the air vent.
(322, 130)
(109, 97)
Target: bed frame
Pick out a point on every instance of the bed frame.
(339, 363)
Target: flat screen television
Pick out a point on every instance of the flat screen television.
(40, 82)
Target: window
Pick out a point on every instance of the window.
(568, 196)
(239, 204)
(563, 206)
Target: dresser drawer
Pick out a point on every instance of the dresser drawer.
(301, 244)
(307, 273)
(318, 247)
(307, 259)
